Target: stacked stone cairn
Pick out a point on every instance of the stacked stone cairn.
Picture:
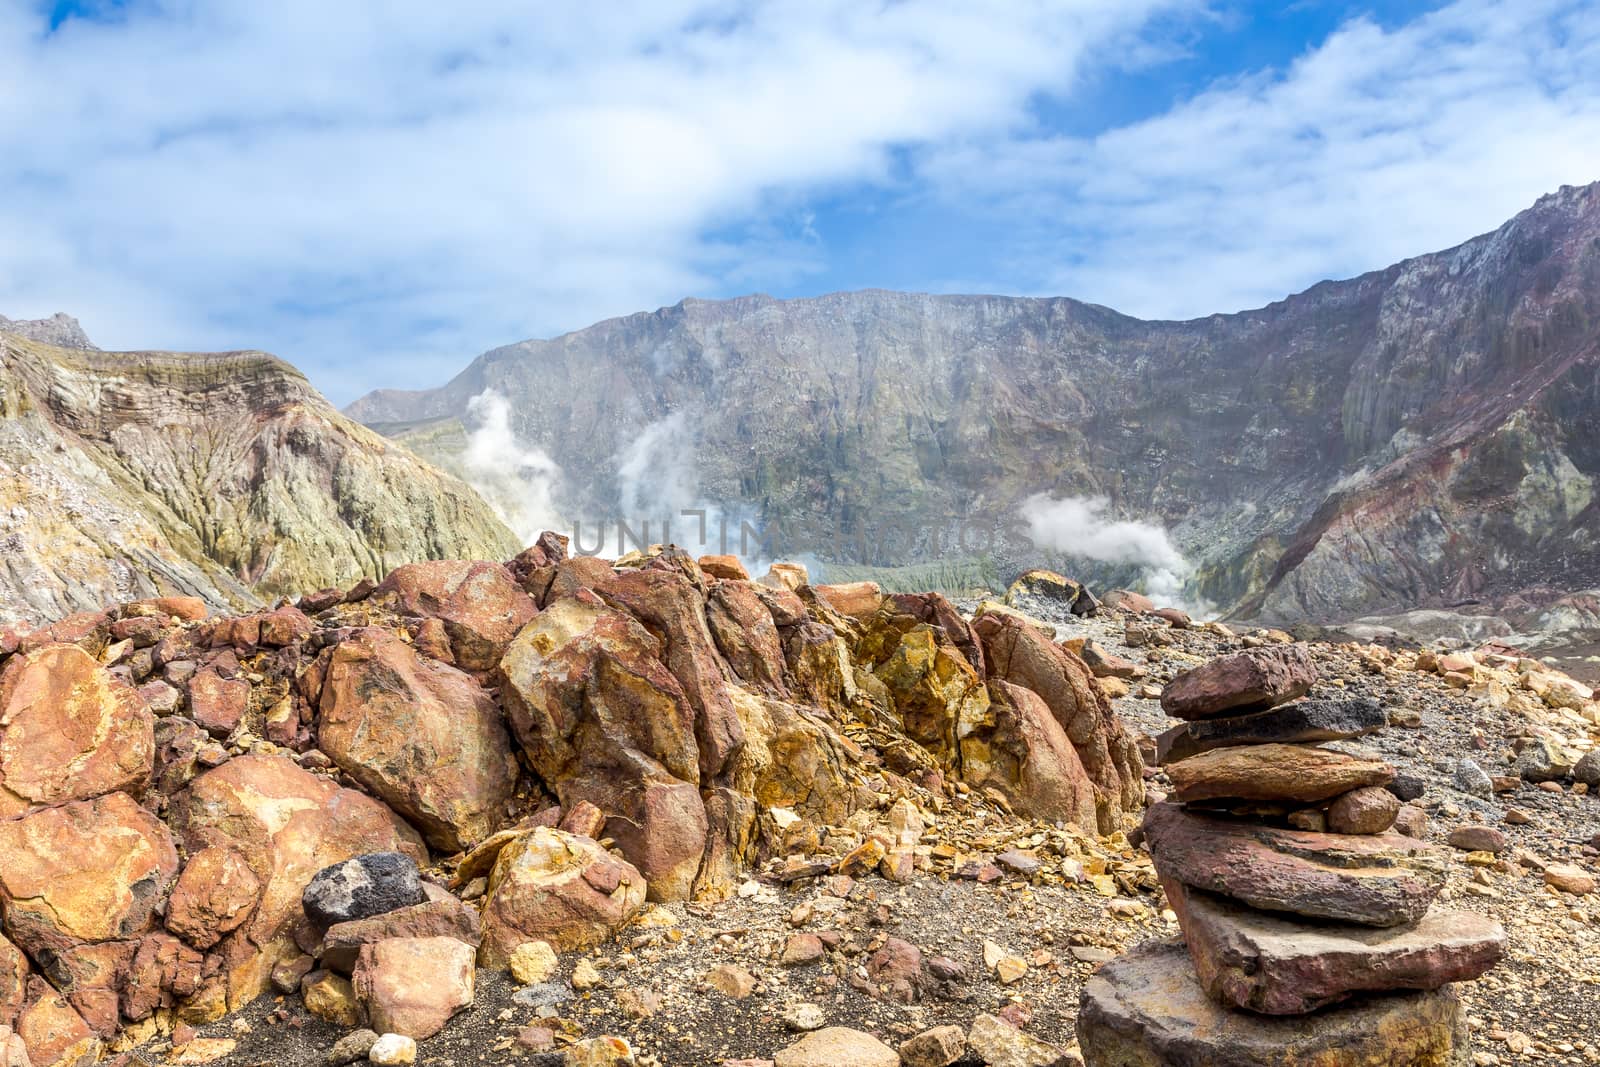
(1309, 923)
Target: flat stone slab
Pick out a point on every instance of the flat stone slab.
(1370, 879)
(1304, 720)
(1276, 966)
(1245, 681)
(1146, 1009)
(1300, 773)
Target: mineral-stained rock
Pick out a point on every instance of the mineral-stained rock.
(1019, 749)
(859, 600)
(413, 985)
(1273, 773)
(288, 824)
(1368, 810)
(938, 1047)
(1246, 681)
(747, 636)
(1146, 1009)
(1375, 880)
(445, 917)
(87, 872)
(13, 981)
(215, 895)
(481, 605)
(897, 972)
(833, 1046)
(1018, 653)
(999, 1044)
(1276, 966)
(163, 973)
(934, 689)
(422, 736)
(55, 1034)
(602, 720)
(393, 1050)
(217, 704)
(724, 566)
(371, 884)
(69, 730)
(553, 887)
(1304, 720)
(332, 998)
(13, 1050)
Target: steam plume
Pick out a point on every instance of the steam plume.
(1079, 526)
(518, 480)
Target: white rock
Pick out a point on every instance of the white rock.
(393, 1049)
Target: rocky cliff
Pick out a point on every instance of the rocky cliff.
(1417, 436)
(224, 476)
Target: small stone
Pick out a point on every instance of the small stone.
(1018, 862)
(732, 981)
(360, 888)
(202, 1050)
(1407, 786)
(1411, 821)
(1313, 819)
(946, 969)
(1010, 970)
(350, 1048)
(605, 1051)
(638, 1003)
(1475, 838)
(939, 1047)
(393, 1050)
(1473, 779)
(1369, 810)
(1541, 761)
(1587, 770)
(1569, 878)
(1274, 773)
(536, 1038)
(999, 1044)
(1247, 681)
(332, 999)
(586, 976)
(801, 949)
(836, 1046)
(533, 962)
(803, 1016)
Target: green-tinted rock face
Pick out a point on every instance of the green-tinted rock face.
(1419, 435)
(224, 476)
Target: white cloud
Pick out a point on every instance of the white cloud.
(382, 190)
(1372, 147)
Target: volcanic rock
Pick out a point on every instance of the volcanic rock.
(1019, 749)
(938, 1047)
(1147, 1009)
(1247, 681)
(413, 985)
(54, 1034)
(215, 895)
(481, 605)
(1375, 880)
(1302, 721)
(553, 887)
(420, 735)
(13, 981)
(1368, 810)
(444, 917)
(69, 730)
(1276, 966)
(362, 887)
(1273, 773)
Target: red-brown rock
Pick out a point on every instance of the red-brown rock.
(1265, 963)
(217, 704)
(1019, 653)
(413, 985)
(747, 636)
(215, 895)
(1020, 750)
(422, 736)
(1254, 680)
(182, 608)
(13, 981)
(1373, 880)
(69, 730)
(54, 1033)
(481, 605)
(444, 917)
(553, 887)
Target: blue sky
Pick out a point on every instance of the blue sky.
(378, 192)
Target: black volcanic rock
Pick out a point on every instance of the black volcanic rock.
(1302, 721)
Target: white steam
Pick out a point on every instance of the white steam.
(519, 481)
(1079, 526)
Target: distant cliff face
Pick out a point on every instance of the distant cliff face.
(225, 476)
(1419, 435)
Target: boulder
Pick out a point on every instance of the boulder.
(54, 1034)
(1018, 653)
(413, 985)
(551, 886)
(602, 720)
(1147, 1009)
(87, 872)
(1299, 773)
(1019, 749)
(288, 824)
(69, 730)
(1368, 810)
(747, 636)
(481, 605)
(1265, 963)
(217, 704)
(1253, 680)
(443, 917)
(1302, 721)
(1374, 879)
(858, 600)
(422, 736)
(935, 691)
(361, 887)
(833, 1046)
(214, 896)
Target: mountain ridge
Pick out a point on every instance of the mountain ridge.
(1235, 431)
